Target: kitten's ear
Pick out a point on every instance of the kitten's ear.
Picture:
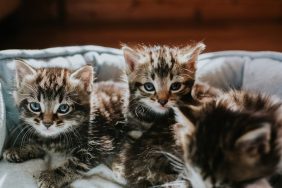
(84, 77)
(189, 54)
(255, 142)
(131, 58)
(23, 71)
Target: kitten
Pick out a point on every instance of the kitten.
(234, 138)
(65, 112)
(158, 77)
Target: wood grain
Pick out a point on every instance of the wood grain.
(221, 24)
(192, 10)
(227, 36)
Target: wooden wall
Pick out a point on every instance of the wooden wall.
(96, 11)
(192, 10)
(221, 24)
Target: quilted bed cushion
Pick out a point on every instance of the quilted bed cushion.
(257, 71)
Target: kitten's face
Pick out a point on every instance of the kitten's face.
(53, 101)
(160, 76)
(234, 137)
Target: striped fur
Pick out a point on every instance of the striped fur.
(161, 66)
(150, 111)
(91, 131)
(234, 138)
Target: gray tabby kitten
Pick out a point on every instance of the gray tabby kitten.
(158, 77)
(233, 138)
(65, 112)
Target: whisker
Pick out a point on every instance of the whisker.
(66, 139)
(22, 131)
(14, 130)
(76, 133)
(25, 136)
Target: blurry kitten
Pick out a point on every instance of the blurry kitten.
(233, 138)
(158, 77)
(63, 111)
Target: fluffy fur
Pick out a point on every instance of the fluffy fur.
(163, 68)
(64, 112)
(158, 77)
(234, 138)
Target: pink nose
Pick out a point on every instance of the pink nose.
(47, 124)
(162, 101)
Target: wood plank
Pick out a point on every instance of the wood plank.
(161, 10)
(217, 37)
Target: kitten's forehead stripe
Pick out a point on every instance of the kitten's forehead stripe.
(171, 76)
(39, 94)
(51, 83)
(162, 59)
(153, 76)
(172, 58)
(151, 57)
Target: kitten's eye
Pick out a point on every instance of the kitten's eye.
(63, 109)
(149, 86)
(35, 107)
(175, 86)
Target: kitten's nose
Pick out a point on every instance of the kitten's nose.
(162, 101)
(47, 124)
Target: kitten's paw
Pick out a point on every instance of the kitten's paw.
(46, 179)
(12, 155)
(204, 92)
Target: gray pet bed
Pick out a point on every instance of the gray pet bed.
(257, 71)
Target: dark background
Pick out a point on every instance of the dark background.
(221, 24)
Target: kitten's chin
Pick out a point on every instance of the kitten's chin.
(48, 133)
(51, 132)
(160, 110)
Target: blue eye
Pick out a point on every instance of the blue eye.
(175, 86)
(35, 107)
(149, 86)
(63, 109)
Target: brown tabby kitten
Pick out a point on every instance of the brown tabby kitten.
(234, 138)
(63, 111)
(158, 77)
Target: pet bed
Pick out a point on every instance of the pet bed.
(256, 71)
